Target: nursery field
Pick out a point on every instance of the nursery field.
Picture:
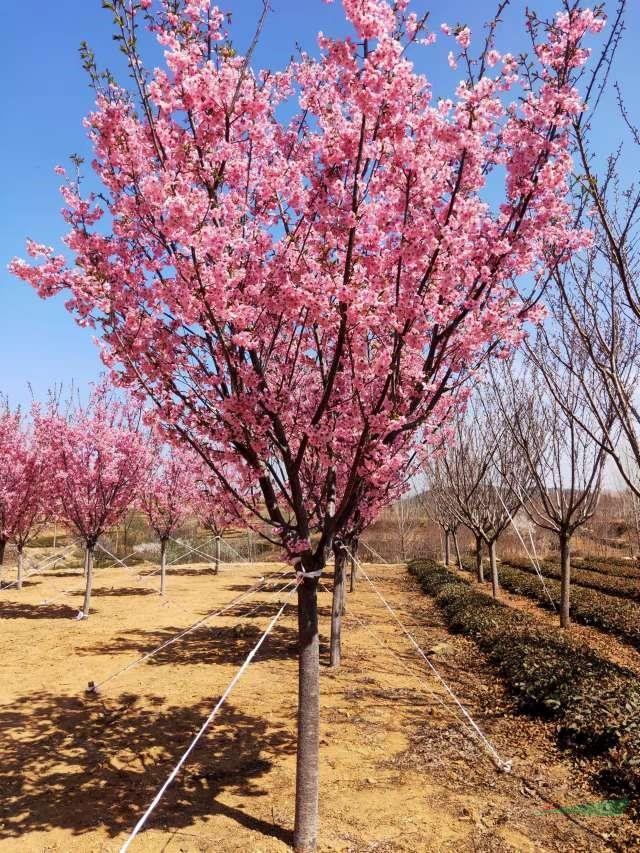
(399, 770)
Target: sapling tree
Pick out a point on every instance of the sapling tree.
(213, 509)
(24, 485)
(98, 458)
(546, 415)
(168, 496)
(11, 440)
(306, 292)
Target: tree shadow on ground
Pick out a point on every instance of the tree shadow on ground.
(265, 609)
(77, 574)
(284, 586)
(124, 590)
(225, 644)
(17, 610)
(80, 764)
(173, 571)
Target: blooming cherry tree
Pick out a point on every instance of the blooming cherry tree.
(98, 456)
(299, 297)
(24, 484)
(168, 496)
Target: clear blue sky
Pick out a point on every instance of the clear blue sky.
(46, 96)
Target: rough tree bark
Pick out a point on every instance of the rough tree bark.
(3, 543)
(163, 563)
(447, 549)
(337, 605)
(89, 576)
(565, 580)
(479, 566)
(495, 581)
(307, 783)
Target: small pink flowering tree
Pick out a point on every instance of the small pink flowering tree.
(168, 496)
(302, 295)
(97, 455)
(214, 509)
(24, 484)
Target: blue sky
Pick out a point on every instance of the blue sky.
(46, 96)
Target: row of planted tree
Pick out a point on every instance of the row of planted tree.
(301, 270)
(86, 465)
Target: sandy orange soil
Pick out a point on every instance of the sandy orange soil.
(399, 772)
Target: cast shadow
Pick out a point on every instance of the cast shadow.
(78, 764)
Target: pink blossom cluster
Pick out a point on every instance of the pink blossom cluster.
(97, 457)
(302, 298)
(25, 498)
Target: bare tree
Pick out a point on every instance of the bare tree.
(483, 479)
(436, 502)
(553, 431)
(597, 292)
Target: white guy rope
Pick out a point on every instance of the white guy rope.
(504, 766)
(424, 688)
(139, 578)
(40, 567)
(533, 562)
(231, 548)
(259, 585)
(206, 723)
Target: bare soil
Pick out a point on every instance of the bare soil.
(399, 771)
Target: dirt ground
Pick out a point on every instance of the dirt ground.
(399, 771)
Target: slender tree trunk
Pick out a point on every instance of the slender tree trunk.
(479, 566)
(3, 543)
(447, 549)
(20, 567)
(337, 604)
(457, 547)
(86, 560)
(306, 817)
(163, 564)
(55, 535)
(565, 580)
(495, 581)
(217, 557)
(353, 573)
(87, 590)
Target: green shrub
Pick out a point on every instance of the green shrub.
(609, 583)
(617, 616)
(596, 704)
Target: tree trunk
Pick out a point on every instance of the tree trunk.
(163, 564)
(447, 549)
(306, 818)
(565, 580)
(337, 604)
(20, 566)
(479, 566)
(457, 547)
(353, 575)
(55, 535)
(89, 576)
(86, 560)
(217, 557)
(3, 543)
(495, 582)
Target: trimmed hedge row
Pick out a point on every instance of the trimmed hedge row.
(611, 566)
(612, 584)
(611, 614)
(596, 703)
